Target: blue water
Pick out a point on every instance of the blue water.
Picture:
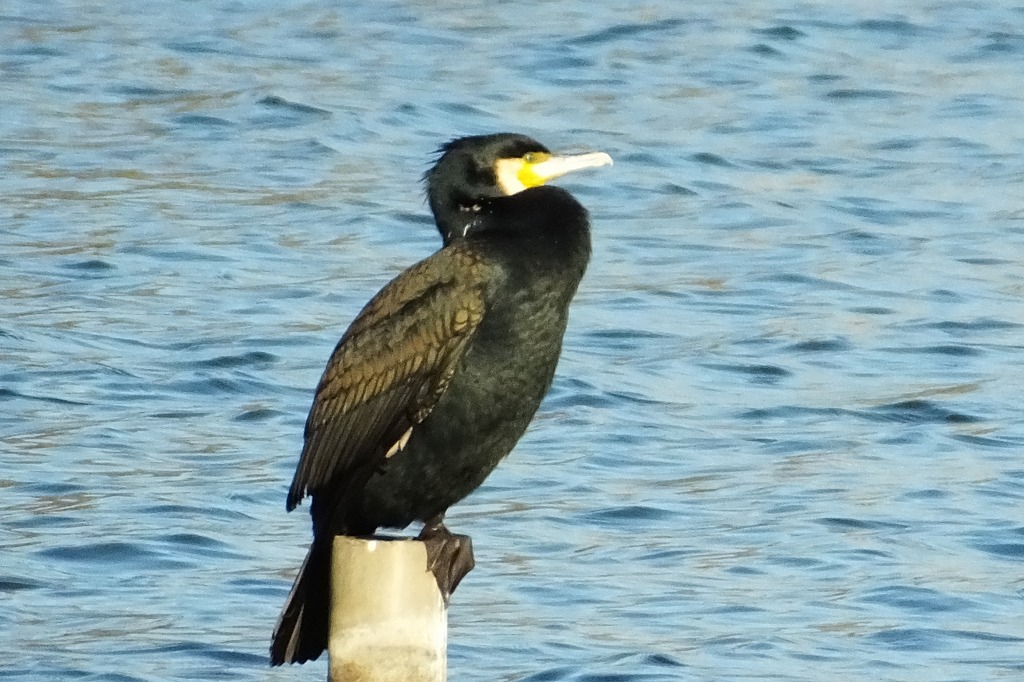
(785, 442)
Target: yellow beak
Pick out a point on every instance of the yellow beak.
(557, 166)
(515, 175)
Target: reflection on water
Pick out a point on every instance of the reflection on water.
(783, 442)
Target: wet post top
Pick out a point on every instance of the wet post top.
(388, 619)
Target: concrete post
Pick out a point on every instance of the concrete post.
(388, 620)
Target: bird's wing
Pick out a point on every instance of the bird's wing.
(390, 368)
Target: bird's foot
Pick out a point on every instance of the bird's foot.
(449, 556)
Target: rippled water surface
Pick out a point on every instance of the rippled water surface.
(785, 442)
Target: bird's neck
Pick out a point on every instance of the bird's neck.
(456, 217)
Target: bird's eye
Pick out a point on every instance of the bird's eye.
(530, 157)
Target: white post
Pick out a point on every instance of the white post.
(388, 620)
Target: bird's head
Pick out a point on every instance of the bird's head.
(471, 171)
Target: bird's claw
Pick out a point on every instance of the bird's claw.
(449, 557)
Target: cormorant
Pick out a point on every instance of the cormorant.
(439, 375)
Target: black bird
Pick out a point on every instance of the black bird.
(440, 374)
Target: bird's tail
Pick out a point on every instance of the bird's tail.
(301, 631)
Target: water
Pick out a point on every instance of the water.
(785, 438)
